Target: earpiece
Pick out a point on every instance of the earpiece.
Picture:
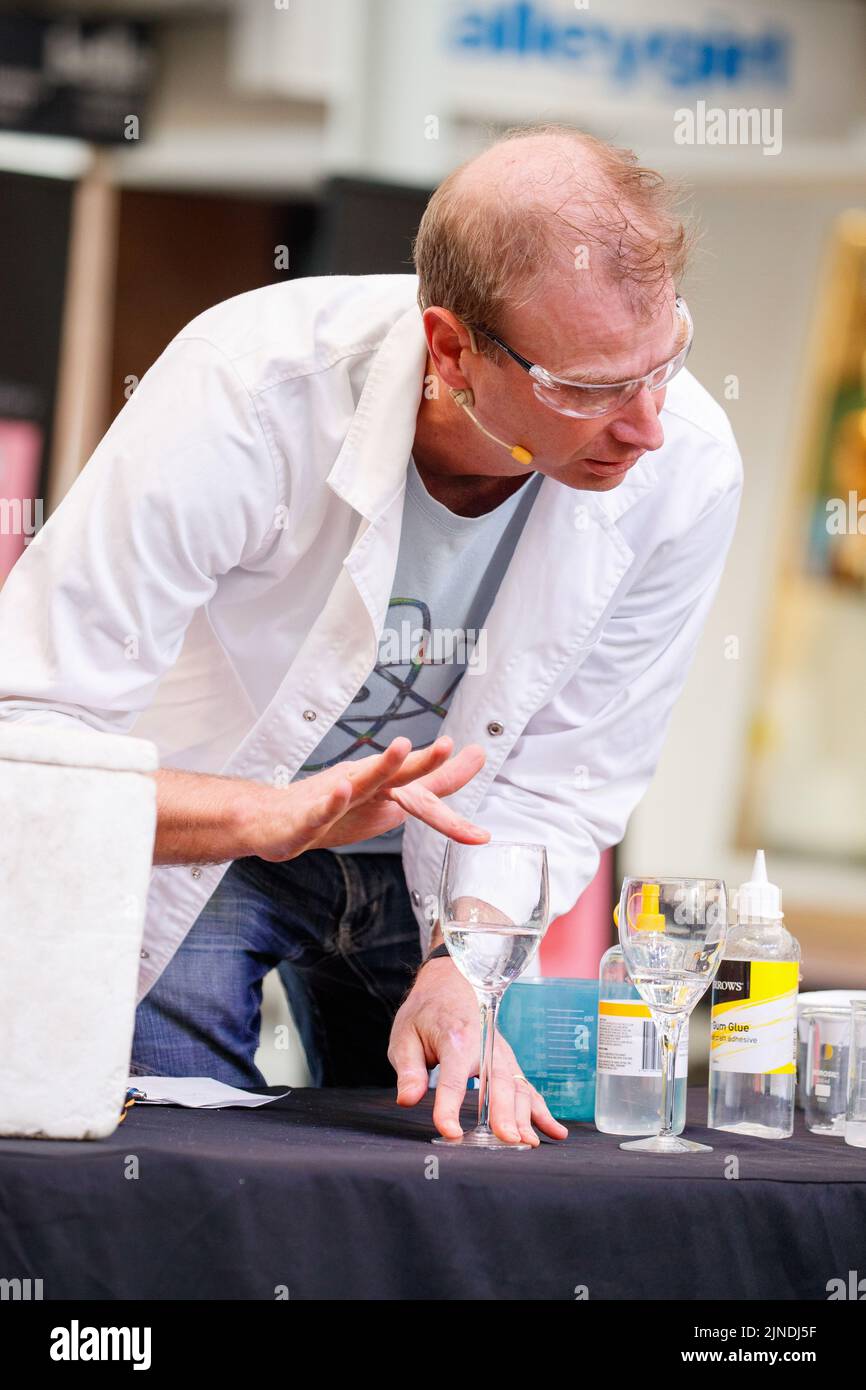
(466, 400)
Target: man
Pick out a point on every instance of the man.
(303, 466)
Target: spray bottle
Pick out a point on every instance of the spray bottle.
(628, 1086)
(753, 1048)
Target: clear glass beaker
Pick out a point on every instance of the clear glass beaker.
(825, 1092)
(855, 1115)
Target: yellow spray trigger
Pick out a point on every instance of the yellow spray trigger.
(649, 918)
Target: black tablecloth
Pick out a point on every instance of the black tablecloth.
(332, 1194)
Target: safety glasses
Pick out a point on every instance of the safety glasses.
(584, 400)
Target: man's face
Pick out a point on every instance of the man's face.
(580, 333)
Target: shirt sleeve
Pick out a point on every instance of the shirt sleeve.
(181, 490)
(586, 757)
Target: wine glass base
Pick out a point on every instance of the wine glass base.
(667, 1144)
(479, 1139)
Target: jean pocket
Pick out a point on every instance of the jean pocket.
(380, 912)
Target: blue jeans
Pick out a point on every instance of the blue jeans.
(340, 928)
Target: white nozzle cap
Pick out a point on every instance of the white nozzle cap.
(759, 899)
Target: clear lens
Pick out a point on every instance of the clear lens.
(585, 402)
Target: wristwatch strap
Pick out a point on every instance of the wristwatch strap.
(436, 952)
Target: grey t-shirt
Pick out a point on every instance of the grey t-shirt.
(449, 568)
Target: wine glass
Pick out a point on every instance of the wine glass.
(672, 932)
(493, 902)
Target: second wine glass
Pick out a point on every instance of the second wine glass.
(672, 932)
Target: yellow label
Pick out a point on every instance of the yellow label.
(624, 1008)
(754, 1017)
(769, 979)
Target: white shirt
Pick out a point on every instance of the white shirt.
(218, 577)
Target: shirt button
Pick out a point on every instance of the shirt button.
(416, 897)
(310, 714)
(145, 955)
(494, 727)
(196, 872)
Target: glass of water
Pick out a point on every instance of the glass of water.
(672, 932)
(493, 907)
(855, 1119)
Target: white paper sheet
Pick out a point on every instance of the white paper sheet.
(195, 1092)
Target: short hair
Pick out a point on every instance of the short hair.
(479, 257)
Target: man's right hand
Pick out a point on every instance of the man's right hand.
(359, 799)
(204, 819)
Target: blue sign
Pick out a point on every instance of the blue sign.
(676, 55)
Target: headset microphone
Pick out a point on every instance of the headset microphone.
(466, 400)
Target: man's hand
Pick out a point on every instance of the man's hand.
(359, 799)
(205, 819)
(439, 1022)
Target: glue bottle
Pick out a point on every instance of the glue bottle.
(753, 1047)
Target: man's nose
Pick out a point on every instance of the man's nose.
(637, 424)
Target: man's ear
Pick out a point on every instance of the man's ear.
(447, 340)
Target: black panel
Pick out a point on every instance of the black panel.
(34, 238)
(366, 228)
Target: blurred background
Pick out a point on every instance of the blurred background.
(158, 157)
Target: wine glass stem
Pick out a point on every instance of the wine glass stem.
(488, 1004)
(669, 1029)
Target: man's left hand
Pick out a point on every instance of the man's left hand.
(439, 1022)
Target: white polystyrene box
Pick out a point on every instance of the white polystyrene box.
(77, 826)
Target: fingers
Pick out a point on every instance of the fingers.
(395, 766)
(504, 1119)
(542, 1117)
(407, 1057)
(468, 908)
(423, 762)
(399, 766)
(368, 775)
(457, 771)
(515, 1104)
(421, 798)
(456, 1065)
(523, 1111)
(416, 780)
(419, 801)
